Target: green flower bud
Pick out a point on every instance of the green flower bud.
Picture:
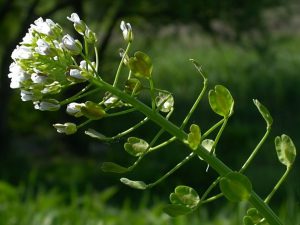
(90, 36)
(79, 25)
(47, 105)
(72, 45)
(66, 128)
(127, 31)
(92, 110)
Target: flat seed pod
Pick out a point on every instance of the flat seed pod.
(264, 112)
(194, 137)
(176, 210)
(286, 150)
(136, 146)
(140, 65)
(236, 187)
(113, 168)
(186, 196)
(221, 101)
(134, 184)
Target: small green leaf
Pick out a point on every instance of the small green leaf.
(136, 146)
(140, 65)
(113, 168)
(194, 137)
(221, 101)
(236, 186)
(134, 184)
(92, 110)
(264, 112)
(177, 210)
(95, 134)
(185, 196)
(286, 150)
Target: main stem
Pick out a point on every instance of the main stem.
(174, 130)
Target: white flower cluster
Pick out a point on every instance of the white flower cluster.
(43, 62)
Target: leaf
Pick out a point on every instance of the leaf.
(236, 186)
(134, 184)
(194, 137)
(95, 134)
(176, 210)
(136, 146)
(185, 196)
(140, 65)
(286, 150)
(221, 101)
(92, 110)
(113, 168)
(264, 112)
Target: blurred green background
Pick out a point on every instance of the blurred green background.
(252, 47)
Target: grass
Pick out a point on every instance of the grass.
(23, 206)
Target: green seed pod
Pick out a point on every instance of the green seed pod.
(136, 146)
(286, 150)
(140, 65)
(236, 187)
(92, 111)
(133, 85)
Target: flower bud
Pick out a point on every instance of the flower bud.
(79, 25)
(66, 128)
(112, 101)
(127, 31)
(92, 110)
(90, 36)
(74, 75)
(72, 45)
(47, 105)
(74, 109)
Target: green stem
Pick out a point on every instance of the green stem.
(210, 130)
(186, 159)
(97, 58)
(152, 93)
(77, 95)
(120, 65)
(219, 135)
(253, 154)
(174, 130)
(186, 119)
(268, 198)
(121, 112)
(129, 130)
(213, 198)
(209, 189)
(162, 144)
(84, 123)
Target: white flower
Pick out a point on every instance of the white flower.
(86, 66)
(76, 73)
(38, 79)
(26, 95)
(74, 18)
(28, 38)
(127, 31)
(43, 48)
(74, 109)
(72, 45)
(17, 75)
(47, 105)
(42, 27)
(66, 128)
(21, 52)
